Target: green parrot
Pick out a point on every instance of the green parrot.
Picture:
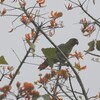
(66, 48)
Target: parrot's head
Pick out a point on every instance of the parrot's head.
(73, 41)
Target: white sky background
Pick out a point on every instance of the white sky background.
(29, 73)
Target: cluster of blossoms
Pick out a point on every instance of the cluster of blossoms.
(23, 3)
(27, 90)
(40, 2)
(30, 36)
(50, 77)
(78, 55)
(6, 72)
(69, 6)
(87, 27)
(53, 22)
(26, 20)
(4, 91)
(79, 67)
(54, 16)
(64, 74)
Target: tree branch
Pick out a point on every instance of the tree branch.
(72, 88)
(65, 92)
(22, 62)
(92, 54)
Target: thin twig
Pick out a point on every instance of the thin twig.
(10, 6)
(10, 15)
(54, 97)
(16, 55)
(72, 88)
(33, 8)
(24, 45)
(73, 2)
(74, 91)
(18, 26)
(16, 18)
(84, 2)
(97, 33)
(31, 63)
(65, 92)
(92, 54)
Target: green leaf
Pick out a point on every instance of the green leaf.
(2, 60)
(35, 97)
(98, 45)
(46, 97)
(50, 54)
(91, 45)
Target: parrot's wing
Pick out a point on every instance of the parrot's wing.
(59, 55)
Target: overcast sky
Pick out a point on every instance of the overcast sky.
(9, 41)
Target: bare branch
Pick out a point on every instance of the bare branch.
(65, 92)
(72, 88)
(16, 55)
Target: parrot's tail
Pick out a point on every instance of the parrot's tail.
(43, 65)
